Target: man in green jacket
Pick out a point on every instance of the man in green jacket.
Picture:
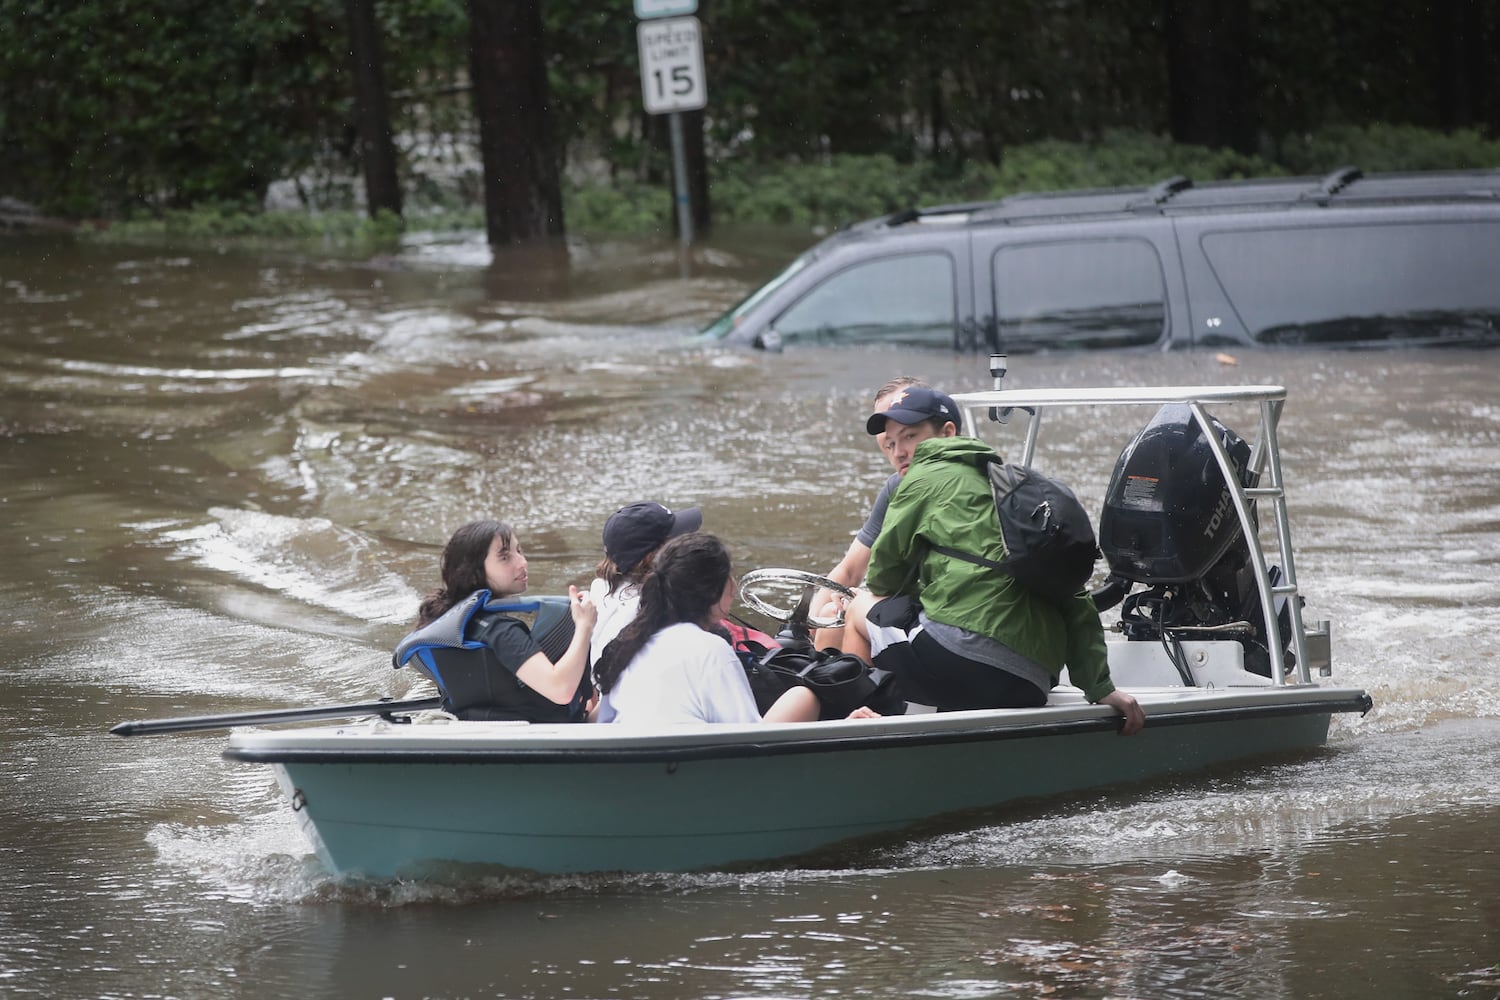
(980, 639)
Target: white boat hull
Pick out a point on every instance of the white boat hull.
(386, 800)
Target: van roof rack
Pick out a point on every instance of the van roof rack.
(1331, 184)
(1179, 195)
(1162, 192)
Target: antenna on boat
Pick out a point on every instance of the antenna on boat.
(998, 364)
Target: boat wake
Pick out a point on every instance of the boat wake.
(310, 560)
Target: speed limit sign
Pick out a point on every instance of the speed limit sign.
(671, 65)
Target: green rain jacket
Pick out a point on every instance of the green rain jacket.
(945, 499)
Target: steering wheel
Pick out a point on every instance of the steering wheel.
(797, 615)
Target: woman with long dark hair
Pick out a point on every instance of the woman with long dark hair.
(489, 664)
(671, 664)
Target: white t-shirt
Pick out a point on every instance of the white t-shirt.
(615, 612)
(683, 674)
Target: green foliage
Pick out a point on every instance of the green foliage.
(1389, 148)
(623, 207)
(218, 222)
(110, 106)
(592, 78)
(846, 189)
(849, 188)
(111, 109)
(1120, 158)
(820, 112)
(1327, 64)
(842, 190)
(850, 60)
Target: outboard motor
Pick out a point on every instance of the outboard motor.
(1169, 523)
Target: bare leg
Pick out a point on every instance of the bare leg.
(856, 628)
(828, 638)
(826, 605)
(797, 704)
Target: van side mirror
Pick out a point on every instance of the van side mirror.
(770, 340)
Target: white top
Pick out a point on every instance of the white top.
(615, 612)
(682, 675)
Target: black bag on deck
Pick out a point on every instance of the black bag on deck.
(1050, 546)
(841, 681)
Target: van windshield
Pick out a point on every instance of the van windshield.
(725, 324)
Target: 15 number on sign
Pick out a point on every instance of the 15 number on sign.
(682, 83)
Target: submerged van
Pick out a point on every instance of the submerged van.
(1345, 260)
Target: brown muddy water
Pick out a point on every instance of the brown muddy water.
(225, 477)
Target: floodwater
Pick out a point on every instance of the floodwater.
(226, 477)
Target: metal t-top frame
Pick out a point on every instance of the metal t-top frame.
(1265, 460)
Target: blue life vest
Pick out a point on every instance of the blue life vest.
(472, 680)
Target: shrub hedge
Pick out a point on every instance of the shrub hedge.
(839, 190)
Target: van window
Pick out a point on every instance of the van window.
(907, 299)
(1355, 285)
(1099, 293)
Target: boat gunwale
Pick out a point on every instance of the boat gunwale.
(345, 745)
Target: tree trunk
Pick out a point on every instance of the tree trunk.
(1210, 93)
(936, 111)
(371, 110)
(522, 191)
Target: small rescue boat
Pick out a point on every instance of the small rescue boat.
(1210, 639)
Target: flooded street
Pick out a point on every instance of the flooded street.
(226, 478)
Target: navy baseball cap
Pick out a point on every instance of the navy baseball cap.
(636, 529)
(913, 405)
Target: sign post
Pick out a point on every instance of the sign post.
(671, 52)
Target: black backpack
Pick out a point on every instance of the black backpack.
(1050, 546)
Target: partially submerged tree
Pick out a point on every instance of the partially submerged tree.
(377, 147)
(522, 190)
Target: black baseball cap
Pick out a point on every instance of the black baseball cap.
(913, 405)
(636, 529)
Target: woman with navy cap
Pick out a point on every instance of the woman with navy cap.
(632, 535)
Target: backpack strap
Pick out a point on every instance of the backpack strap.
(967, 557)
(983, 467)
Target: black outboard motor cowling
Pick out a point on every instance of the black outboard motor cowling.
(1168, 516)
(1169, 523)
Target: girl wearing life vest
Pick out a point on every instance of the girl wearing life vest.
(487, 663)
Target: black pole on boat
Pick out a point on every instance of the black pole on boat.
(797, 633)
(385, 708)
